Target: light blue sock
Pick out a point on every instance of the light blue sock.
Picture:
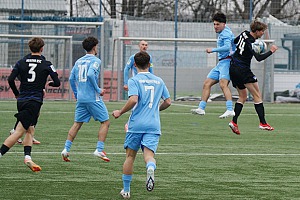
(202, 105)
(126, 182)
(68, 145)
(152, 164)
(100, 146)
(229, 105)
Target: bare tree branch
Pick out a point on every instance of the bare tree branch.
(88, 3)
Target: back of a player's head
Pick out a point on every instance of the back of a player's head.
(258, 26)
(142, 60)
(89, 43)
(219, 17)
(35, 44)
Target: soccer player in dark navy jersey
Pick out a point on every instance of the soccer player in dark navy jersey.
(243, 78)
(32, 71)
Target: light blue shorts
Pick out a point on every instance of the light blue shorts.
(221, 71)
(97, 110)
(135, 141)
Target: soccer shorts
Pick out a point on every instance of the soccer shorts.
(97, 110)
(28, 113)
(135, 141)
(221, 71)
(240, 76)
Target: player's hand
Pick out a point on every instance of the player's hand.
(102, 92)
(116, 114)
(209, 50)
(273, 48)
(44, 93)
(125, 87)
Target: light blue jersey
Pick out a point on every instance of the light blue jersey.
(150, 89)
(225, 44)
(130, 66)
(84, 79)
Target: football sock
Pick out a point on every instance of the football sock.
(126, 182)
(229, 105)
(100, 146)
(202, 105)
(68, 145)
(4, 149)
(260, 110)
(237, 109)
(27, 150)
(151, 164)
(27, 157)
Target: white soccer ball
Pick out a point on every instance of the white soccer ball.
(259, 46)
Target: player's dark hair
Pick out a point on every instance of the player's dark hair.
(142, 60)
(35, 44)
(219, 17)
(258, 26)
(89, 42)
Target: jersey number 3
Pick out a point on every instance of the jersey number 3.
(32, 72)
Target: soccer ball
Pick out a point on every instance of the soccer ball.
(259, 46)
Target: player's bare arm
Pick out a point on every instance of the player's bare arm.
(128, 106)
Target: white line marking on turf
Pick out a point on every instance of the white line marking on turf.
(183, 154)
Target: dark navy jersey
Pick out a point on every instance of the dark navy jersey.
(244, 52)
(33, 72)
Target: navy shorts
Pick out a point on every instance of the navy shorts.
(28, 113)
(240, 76)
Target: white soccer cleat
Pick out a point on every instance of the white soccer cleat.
(101, 155)
(228, 113)
(198, 111)
(65, 155)
(125, 195)
(150, 179)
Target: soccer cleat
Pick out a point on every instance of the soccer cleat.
(228, 113)
(234, 127)
(34, 167)
(125, 195)
(150, 179)
(198, 111)
(266, 127)
(35, 141)
(65, 155)
(101, 155)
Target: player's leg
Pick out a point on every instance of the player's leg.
(149, 147)
(70, 138)
(19, 141)
(223, 67)
(28, 119)
(238, 107)
(212, 78)
(81, 115)
(99, 112)
(12, 139)
(132, 144)
(27, 143)
(258, 104)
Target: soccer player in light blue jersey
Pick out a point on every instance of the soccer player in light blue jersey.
(220, 73)
(143, 46)
(145, 92)
(84, 82)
